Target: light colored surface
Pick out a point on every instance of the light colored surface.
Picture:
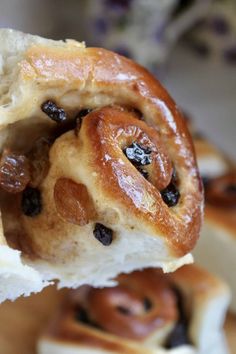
(22, 321)
(207, 90)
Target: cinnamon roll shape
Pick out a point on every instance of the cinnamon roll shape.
(114, 185)
(147, 312)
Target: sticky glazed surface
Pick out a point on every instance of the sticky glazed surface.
(114, 88)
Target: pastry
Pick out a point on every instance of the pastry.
(211, 161)
(97, 173)
(147, 312)
(216, 248)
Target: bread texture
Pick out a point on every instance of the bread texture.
(118, 320)
(89, 180)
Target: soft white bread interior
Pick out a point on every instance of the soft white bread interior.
(205, 299)
(34, 70)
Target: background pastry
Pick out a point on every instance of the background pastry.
(217, 246)
(212, 162)
(147, 312)
(97, 168)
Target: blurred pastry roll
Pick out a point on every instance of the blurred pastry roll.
(147, 312)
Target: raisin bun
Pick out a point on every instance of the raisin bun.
(216, 249)
(98, 173)
(147, 312)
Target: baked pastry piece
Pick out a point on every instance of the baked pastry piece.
(216, 249)
(211, 161)
(147, 312)
(98, 174)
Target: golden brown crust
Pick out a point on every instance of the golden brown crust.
(197, 280)
(221, 202)
(221, 191)
(95, 71)
(204, 148)
(222, 218)
(143, 303)
(197, 287)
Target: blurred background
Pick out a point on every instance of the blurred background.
(190, 45)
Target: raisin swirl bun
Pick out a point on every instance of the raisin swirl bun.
(98, 170)
(217, 247)
(147, 312)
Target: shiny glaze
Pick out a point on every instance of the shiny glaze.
(107, 132)
(103, 78)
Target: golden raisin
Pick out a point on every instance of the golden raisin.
(73, 202)
(14, 172)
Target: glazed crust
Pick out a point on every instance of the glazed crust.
(86, 182)
(221, 202)
(95, 72)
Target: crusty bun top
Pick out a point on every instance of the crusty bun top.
(119, 161)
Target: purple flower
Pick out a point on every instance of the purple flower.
(230, 55)
(101, 25)
(219, 25)
(118, 4)
(159, 34)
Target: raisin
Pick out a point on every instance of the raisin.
(138, 155)
(123, 310)
(170, 195)
(14, 172)
(73, 202)
(31, 202)
(103, 234)
(79, 118)
(55, 113)
(147, 304)
(143, 172)
(231, 189)
(83, 112)
(178, 336)
(82, 316)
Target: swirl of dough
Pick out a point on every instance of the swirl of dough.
(119, 175)
(142, 304)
